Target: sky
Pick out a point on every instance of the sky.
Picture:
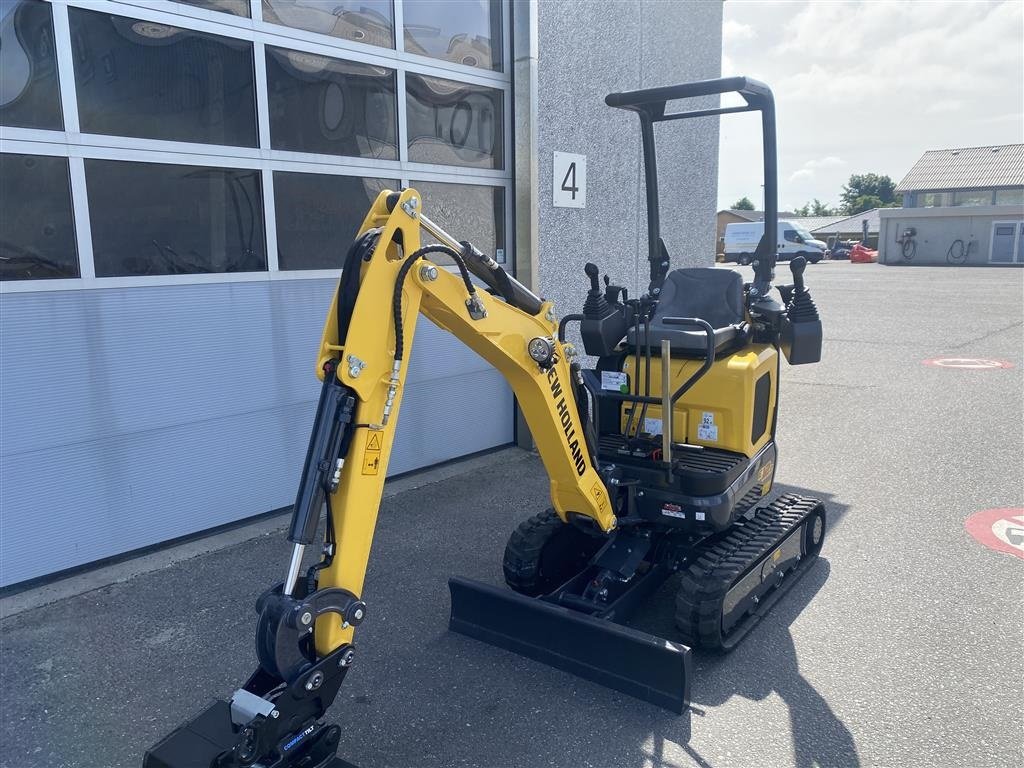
(867, 87)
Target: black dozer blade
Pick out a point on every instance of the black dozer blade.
(636, 663)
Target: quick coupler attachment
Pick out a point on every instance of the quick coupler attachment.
(263, 725)
(641, 665)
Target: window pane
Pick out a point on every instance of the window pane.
(454, 123)
(150, 219)
(1010, 196)
(467, 212)
(37, 230)
(319, 215)
(156, 81)
(365, 21)
(331, 106)
(982, 197)
(234, 7)
(932, 199)
(464, 31)
(29, 93)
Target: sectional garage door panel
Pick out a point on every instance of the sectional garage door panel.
(130, 416)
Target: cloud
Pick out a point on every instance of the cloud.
(733, 31)
(810, 167)
(873, 83)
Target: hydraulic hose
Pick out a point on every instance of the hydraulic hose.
(396, 299)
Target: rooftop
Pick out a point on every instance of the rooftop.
(850, 223)
(966, 168)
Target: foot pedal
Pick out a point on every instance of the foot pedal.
(633, 662)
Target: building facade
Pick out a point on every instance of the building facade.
(180, 179)
(960, 207)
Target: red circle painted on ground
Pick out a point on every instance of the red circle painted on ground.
(968, 363)
(999, 529)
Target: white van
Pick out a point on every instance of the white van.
(742, 238)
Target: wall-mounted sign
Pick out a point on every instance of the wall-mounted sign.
(570, 180)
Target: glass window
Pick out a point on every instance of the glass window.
(973, 197)
(467, 212)
(932, 199)
(150, 219)
(331, 106)
(234, 7)
(1010, 196)
(464, 31)
(365, 21)
(37, 230)
(29, 92)
(318, 216)
(454, 123)
(790, 235)
(156, 81)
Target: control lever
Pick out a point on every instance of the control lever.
(602, 325)
(797, 267)
(612, 293)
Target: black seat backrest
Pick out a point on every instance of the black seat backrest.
(713, 295)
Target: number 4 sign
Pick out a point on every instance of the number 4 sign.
(570, 181)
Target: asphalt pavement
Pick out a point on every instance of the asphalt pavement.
(903, 646)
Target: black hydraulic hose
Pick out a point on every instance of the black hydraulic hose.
(396, 299)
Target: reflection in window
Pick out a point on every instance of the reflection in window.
(150, 219)
(932, 199)
(364, 21)
(331, 106)
(29, 92)
(1010, 196)
(318, 216)
(972, 197)
(234, 7)
(463, 31)
(157, 81)
(37, 230)
(454, 123)
(467, 212)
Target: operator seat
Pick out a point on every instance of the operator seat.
(712, 295)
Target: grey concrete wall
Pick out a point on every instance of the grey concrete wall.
(937, 228)
(587, 50)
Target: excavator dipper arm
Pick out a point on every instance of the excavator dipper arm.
(307, 623)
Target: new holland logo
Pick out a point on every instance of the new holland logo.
(565, 418)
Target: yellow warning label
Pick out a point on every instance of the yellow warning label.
(373, 444)
(371, 462)
(599, 495)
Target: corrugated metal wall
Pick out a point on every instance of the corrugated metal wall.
(130, 416)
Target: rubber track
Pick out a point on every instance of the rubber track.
(521, 563)
(721, 564)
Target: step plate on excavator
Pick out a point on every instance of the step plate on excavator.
(641, 665)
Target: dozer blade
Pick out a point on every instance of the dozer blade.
(641, 665)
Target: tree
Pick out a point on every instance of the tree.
(743, 204)
(868, 189)
(866, 203)
(815, 208)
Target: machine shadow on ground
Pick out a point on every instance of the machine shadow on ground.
(764, 663)
(626, 733)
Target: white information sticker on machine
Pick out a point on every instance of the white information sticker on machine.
(707, 430)
(569, 188)
(614, 381)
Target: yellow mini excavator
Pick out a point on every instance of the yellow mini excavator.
(660, 459)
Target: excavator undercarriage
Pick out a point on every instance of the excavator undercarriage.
(661, 460)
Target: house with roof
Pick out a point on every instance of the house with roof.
(840, 228)
(960, 206)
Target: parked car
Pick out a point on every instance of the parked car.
(741, 239)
